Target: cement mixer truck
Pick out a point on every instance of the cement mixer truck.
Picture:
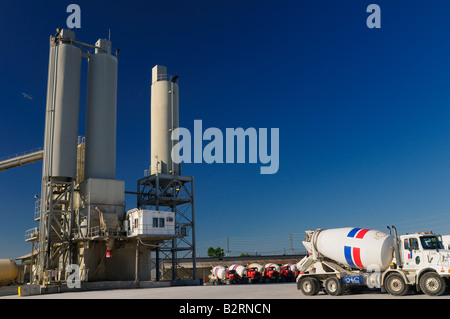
(287, 273)
(254, 273)
(349, 259)
(271, 273)
(235, 274)
(218, 275)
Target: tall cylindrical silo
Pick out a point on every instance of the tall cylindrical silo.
(101, 113)
(63, 97)
(164, 119)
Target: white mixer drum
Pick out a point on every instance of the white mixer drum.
(219, 272)
(292, 267)
(277, 267)
(356, 247)
(240, 270)
(259, 267)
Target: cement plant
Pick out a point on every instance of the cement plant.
(86, 239)
(81, 215)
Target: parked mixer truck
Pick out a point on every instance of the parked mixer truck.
(235, 274)
(254, 273)
(348, 259)
(287, 272)
(271, 273)
(218, 275)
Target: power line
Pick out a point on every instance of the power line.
(266, 244)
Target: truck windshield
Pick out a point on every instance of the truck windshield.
(430, 243)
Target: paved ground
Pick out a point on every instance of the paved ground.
(229, 292)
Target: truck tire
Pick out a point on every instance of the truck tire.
(309, 286)
(396, 285)
(333, 286)
(432, 284)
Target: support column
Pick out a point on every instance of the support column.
(158, 275)
(136, 269)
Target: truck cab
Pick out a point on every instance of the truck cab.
(422, 262)
(253, 275)
(423, 250)
(271, 273)
(232, 277)
(286, 274)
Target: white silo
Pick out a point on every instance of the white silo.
(63, 97)
(164, 119)
(101, 113)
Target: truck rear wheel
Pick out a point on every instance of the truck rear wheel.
(432, 284)
(395, 285)
(333, 286)
(309, 286)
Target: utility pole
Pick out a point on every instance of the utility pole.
(228, 246)
(292, 247)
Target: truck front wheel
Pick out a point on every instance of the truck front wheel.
(309, 286)
(432, 284)
(395, 285)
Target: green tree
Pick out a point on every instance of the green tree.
(215, 252)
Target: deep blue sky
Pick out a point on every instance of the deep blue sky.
(363, 113)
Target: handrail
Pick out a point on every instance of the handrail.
(31, 234)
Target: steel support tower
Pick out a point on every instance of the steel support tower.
(166, 192)
(55, 231)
